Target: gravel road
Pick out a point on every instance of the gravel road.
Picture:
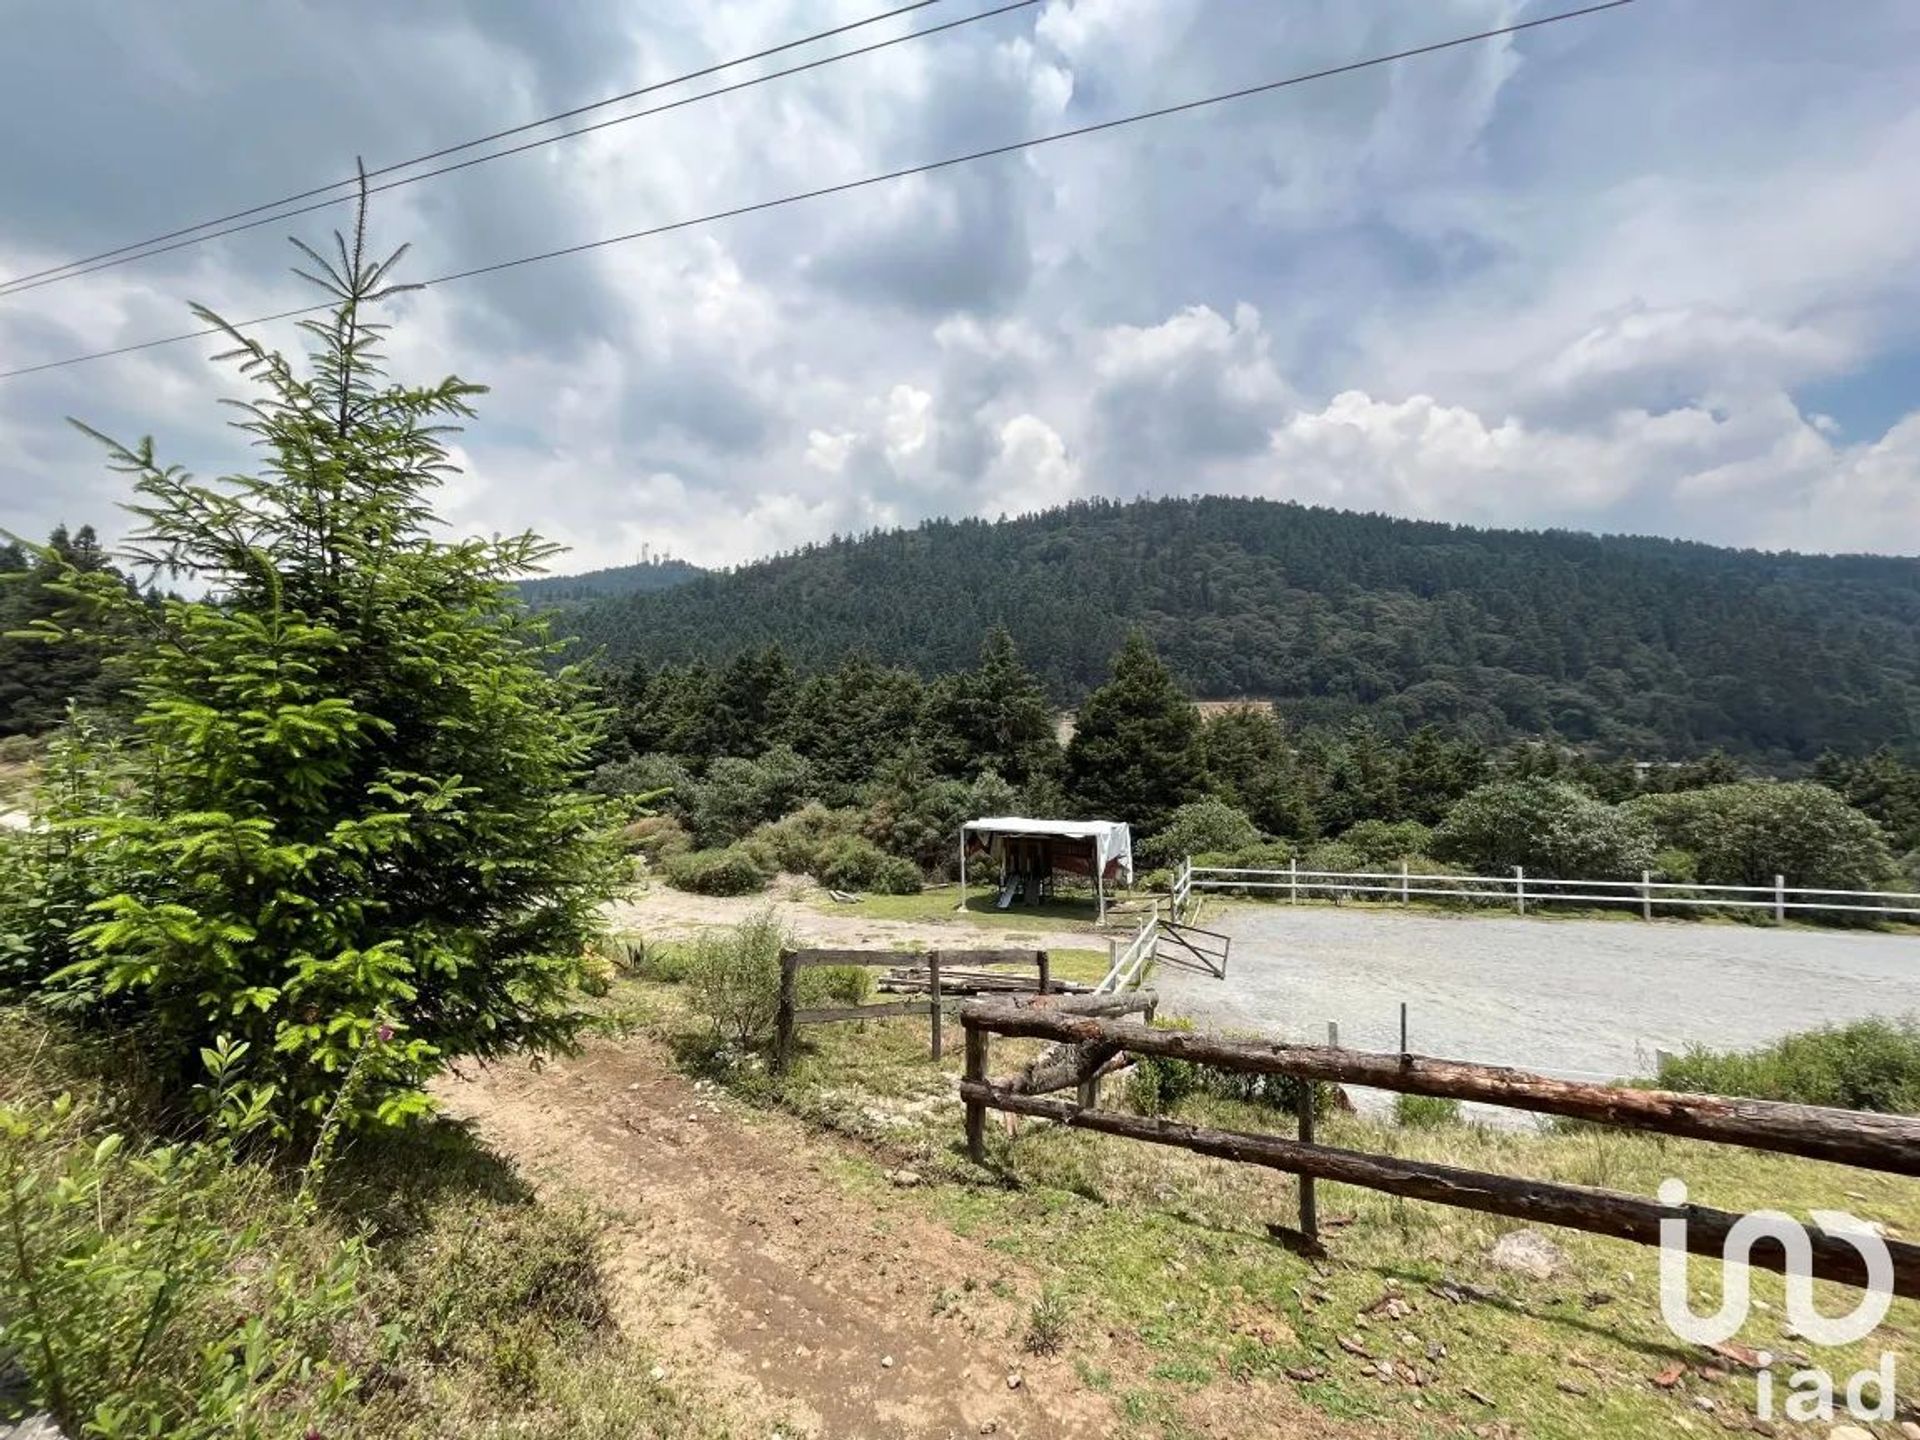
(1572, 997)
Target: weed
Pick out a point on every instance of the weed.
(1047, 1323)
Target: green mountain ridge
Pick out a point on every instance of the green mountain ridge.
(1627, 644)
(639, 579)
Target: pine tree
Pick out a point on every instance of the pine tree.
(993, 717)
(1135, 752)
(355, 838)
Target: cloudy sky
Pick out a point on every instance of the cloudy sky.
(1657, 270)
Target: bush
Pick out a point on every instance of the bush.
(919, 818)
(171, 1289)
(1382, 846)
(851, 863)
(1553, 829)
(793, 845)
(657, 838)
(740, 794)
(1745, 834)
(660, 776)
(1425, 1112)
(715, 872)
(1868, 1065)
(734, 976)
(897, 877)
(1202, 826)
(833, 984)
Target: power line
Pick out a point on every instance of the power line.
(845, 186)
(6, 286)
(24, 284)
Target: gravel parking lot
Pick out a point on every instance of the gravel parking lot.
(1580, 998)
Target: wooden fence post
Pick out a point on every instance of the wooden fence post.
(1309, 1201)
(1646, 894)
(1403, 880)
(1779, 899)
(1046, 973)
(1293, 881)
(933, 1004)
(1333, 1034)
(1520, 888)
(977, 1072)
(783, 1018)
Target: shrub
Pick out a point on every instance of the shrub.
(851, 863)
(896, 876)
(793, 845)
(660, 776)
(918, 818)
(1382, 846)
(171, 1289)
(833, 984)
(1552, 828)
(657, 837)
(1202, 826)
(1158, 1083)
(1747, 833)
(740, 794)
(1425, 1112)
(1867, 1065)
(731, 871)
(734, 977)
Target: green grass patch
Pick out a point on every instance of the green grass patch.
(1166, 1258)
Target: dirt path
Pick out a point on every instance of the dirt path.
(785, 1304)
(670, 914)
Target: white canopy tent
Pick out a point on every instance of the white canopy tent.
(1105, 847)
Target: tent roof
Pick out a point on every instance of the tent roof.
(1069, 829)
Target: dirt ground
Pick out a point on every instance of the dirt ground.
(667, 914)
(782, 1302)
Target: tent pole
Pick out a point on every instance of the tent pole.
(963, 868)
(1100, 884)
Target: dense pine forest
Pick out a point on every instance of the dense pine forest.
(1636, 646)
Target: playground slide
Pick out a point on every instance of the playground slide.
(1006, 895)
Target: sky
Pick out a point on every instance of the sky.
(1656, 270)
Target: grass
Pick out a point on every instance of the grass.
(942, 904)
(1162, 1281)
(480, 1308)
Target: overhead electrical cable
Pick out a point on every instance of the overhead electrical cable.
(864, 182)
(352, 182)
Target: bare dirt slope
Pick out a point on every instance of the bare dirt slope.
(788, 1305)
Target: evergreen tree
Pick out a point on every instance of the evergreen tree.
(1250, 765)
(993, 717)
(852, 720)
(752, 700)
(1135, 753)
(39, 675)
(352, 834)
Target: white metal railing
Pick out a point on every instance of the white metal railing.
(1518, 889)
(1130, 962)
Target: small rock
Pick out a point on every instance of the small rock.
(1528, 1252)
(905, 1179)
(1568, 1387)
(886, 1362)
(1701, 1402)
(990, 1427)
(1013, 1380)
(1848, 1432)
(657, 1374)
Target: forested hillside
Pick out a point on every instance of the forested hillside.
(640, 579)
(1636, 645)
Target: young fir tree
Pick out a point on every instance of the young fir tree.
(357, 840)
(1135, 753)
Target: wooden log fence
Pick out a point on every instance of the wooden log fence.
(936, 964)
(1881, 1142)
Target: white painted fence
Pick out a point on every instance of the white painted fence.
(1519, 890)
(1132, 960)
